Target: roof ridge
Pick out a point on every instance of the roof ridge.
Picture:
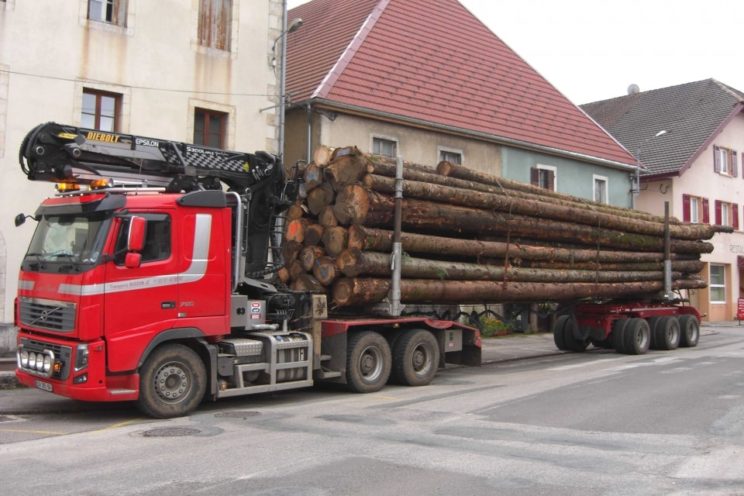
(343, 61)
(731, 91)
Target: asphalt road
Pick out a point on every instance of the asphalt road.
(569, 424)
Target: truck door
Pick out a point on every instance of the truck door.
(140, 302)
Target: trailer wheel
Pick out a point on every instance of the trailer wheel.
(637, 337)
(618, 334)
(689, 331)
(173, 381)
(665, 335)
(570, 331)
(368, 362)
(653, 324)
(415, 358)
(558, 326)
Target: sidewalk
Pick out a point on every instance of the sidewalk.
(22, 400)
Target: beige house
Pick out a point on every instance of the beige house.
(196, 71)
(691, 138)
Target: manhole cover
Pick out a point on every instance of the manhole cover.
(172, 432)
(238, 414)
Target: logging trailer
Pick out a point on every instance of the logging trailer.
(150, 278)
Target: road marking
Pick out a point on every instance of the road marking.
(583, 364)
(32, 431)
(119, 424)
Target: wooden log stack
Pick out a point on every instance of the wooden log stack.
(469, 237)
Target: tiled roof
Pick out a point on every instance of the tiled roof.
(433, 61)
(690, 114)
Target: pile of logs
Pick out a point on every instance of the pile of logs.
(469, 237)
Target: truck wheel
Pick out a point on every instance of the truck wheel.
(558, 326)
(689, 331)
(618, 334)
(415, 358)
(570, 331)
(653, 324)
(665, 335)
(173, 381)
(637, 337)
(368, 362)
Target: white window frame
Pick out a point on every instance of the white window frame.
(726, 217)
(445, 149)
(723, 161)
(711, 286)
(695, 205)
(555, 173)
(373, 137)
(606, 181)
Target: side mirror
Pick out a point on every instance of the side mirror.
(133, 260)
(136, 236)
(20, 219)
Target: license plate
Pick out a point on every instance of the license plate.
(44, 386)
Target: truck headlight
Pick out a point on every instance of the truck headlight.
(81, 357)
(23, 358)
(47, 363)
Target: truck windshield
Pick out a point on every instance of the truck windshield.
(65, 243)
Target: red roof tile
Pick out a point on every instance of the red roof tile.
(434, 61)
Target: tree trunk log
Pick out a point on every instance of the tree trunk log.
(327, 218)
(534, 208)
(436, 217)
(335, 240)
(322, 155)
(283, 275)
(325, 271)
(313, 176)
(296, 211)
(296, 230)
(354, 263)
(290, 250)
(295, 270)
(349, 169)
(369, 238)
(313, 234)
(686, 266)
(320, 197)
(357, 291)
(309, 255)
(306, 282)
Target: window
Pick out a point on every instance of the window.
(451, 156)
(727, 214)
(111, 11)
(215, 18)
(385, 147)
(717, 283)
(695, 209)
(210, 128)
(157, 239)
(100, 110)
(544, 176)
(724, 161)
(600, 189)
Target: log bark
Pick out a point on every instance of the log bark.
(354, 263)
(313, 234)
(335, 240)
(306, 282)
(320, 197)
(436, 217)
(685, 266)
(369, 238)
(327, 218)
(309, 255)
(534, 208)
(325, 270)
(365, 291)
(384, 169)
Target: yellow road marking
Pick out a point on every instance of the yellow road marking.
(31, 431)
(118, 424)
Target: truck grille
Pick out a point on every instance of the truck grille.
(46, 314)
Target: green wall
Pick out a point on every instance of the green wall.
(573, 177)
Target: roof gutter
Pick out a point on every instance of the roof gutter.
(423, 124)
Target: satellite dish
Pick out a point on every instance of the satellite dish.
(633, 89)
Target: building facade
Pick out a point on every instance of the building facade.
(691, 138)
(202, 71)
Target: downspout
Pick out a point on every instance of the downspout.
(309, 110)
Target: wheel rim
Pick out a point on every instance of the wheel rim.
(421, 360)
(694, 333)
(642, 339)
(172, 382)
(673, 334)
(371, 363)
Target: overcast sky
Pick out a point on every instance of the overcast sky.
(594, 49)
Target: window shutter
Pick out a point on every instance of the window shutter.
(716, 163)
(686, 208)
(735, 216)
(534, 176)
(706, 215)
(718, 212)
(551, 180)
(734, 162)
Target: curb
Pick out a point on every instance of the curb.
(8, 380)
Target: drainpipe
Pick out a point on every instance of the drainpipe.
(309, 110)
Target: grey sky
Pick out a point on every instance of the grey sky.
(593, 49)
